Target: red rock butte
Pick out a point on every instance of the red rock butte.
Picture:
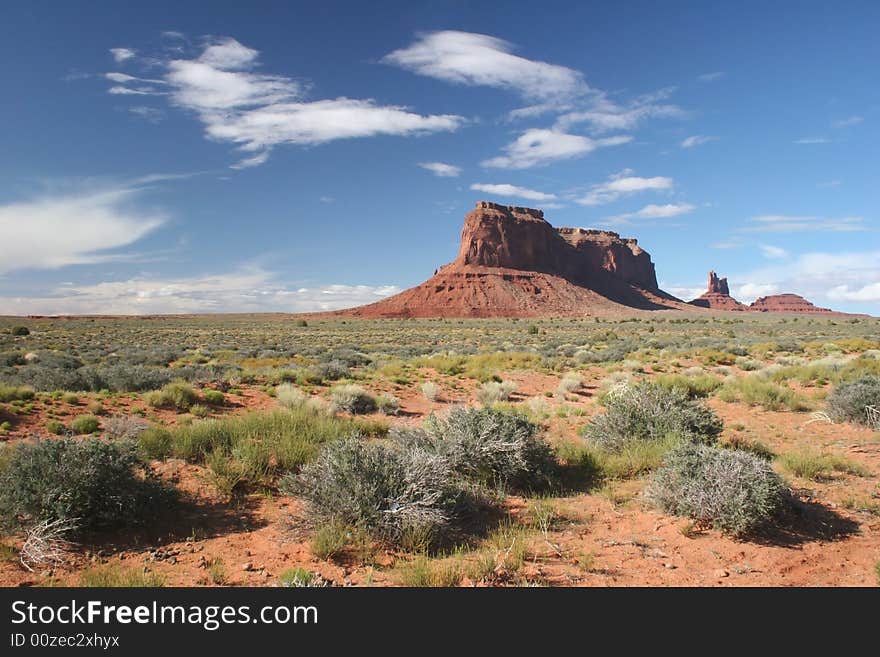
(717, 297)
(513, 263)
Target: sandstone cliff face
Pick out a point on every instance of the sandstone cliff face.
(513, 263)
(717, 296)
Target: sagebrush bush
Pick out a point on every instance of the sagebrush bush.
(380, 488)
(214, 397)
(731, 490)
(754, 391)
(20, 331)
(487, 446)
(15, 393)
(388, 404)
(696, 386)
(430, 390)
(848, 402)
(120, 427)
(352, 399)
(648, 411)
(96, 482)
(177, 395)
(492, 392)
(290, 396)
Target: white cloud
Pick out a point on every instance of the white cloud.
(257, 111)
(813, 140)
(248, 162)
(441, 169)
(623, 184)
(711, 77)
(778, 223)
(150, 114)
(686, 292)
(849, 121)
(748, 292)
(243, 290)
(604, 115)
(478, 59)
(122, 54)
(55, 231)
(696, 140)
(537, 147)
(653, 211)
(773, 252)
(514, 191)
(823, 278)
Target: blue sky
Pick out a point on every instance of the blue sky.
(207, 157)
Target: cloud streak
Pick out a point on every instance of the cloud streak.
(540, 147)
(513, 191)
(441, 169)
(623, 184)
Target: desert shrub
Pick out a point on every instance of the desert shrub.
(55, 427)
(571, 382)
(430, 390)
(330, 539)
(155, 443)
(352, 399)
(488, 447)
(99, 483)
(816, 466)
(332, 371)
(492, 392)
(300, 578)
(121, 427)
(286, 439)
(388, 404)
(755, 391)
(731, 490)
(200, 410)
(848, 402)
(177, 395)
(290, 396)
(85, 424)
(648, 411)
(214, 397)
(15, 393)
(110, 575)
(382, 489)
(702, 385)
(20, 331)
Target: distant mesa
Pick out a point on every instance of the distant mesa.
(513, 263)
(717, 297)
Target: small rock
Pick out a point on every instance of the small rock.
(670, 566)
(248, 567)
(721, 573)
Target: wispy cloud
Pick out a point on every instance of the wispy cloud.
(623, 184)
(696, 140)
(150, 114)
(122, 54)
(653, 211)
(258, 111)
(538, 147)
(481, 60)
(711, 77)
(848, 121)
(513, 191)
(813, 140)
(780, 223)
(604, 115)
(441, 169)
(773, 252)
(54, 231)
(246, 289)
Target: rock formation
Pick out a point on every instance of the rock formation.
(513, 263)
(786, 303)
(717, 296)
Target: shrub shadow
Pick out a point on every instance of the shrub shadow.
(806, 521)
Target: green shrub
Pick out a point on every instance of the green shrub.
(330, 539)
(199, 410)
(85, 424)
(486, 446)
(352, 399)
(848, 402)
(55, 427)
(20, 331)
(290, 396)
(388, 404)
(702, 385)
(813, 465)
(492, 392)
(177, 395)
(300, 578)
(754, 391)
(119, 576)
(70, 398)
(648, 411)
(384, 490)
(15, 393)
(214, 397)
(731, 490)
(155, 443)
(95, 482)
